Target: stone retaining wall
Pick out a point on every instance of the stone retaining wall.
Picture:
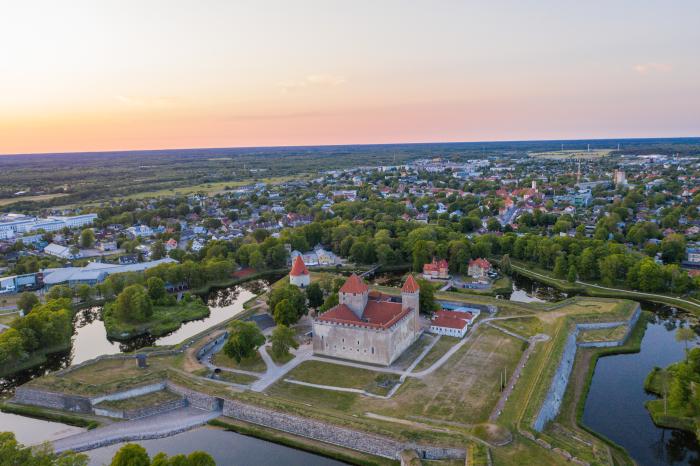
(347, 438)
(139, 413)
(555, 394)
(46, 399)
(195, 399)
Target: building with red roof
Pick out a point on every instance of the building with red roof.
(368, 326)
(479, 268)
(436, 270)
(451, 323)
(299, 275)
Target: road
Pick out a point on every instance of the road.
(160, 425)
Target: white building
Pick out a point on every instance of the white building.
(62, 252)
(299, 275)
(451, 323)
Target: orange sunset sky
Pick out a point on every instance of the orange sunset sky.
(116, 75)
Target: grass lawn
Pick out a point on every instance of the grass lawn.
(6, 319)
(252, 364)
(327, 373)
(282, 360)
(165, 319)
(243, 379)
(441, 347)
(150, 399)
(464, 389)
(37, 198)
(208, 188)
(106, 376)
(525, 326)
(603, 334)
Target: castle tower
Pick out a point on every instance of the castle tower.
(354, 294)
(410, 294)
(299, 275)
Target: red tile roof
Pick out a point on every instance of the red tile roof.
(377, 314)
(483, 263)
(354, 284)
(298, 268)
(410, 286)
(451, 319)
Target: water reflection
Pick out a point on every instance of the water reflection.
(90, 336)
(615, 403)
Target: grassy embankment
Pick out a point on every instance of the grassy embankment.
(165, 319)
(49, 415)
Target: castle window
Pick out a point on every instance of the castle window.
(373, 350)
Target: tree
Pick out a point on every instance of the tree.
(87, 238)
(244, 340)
(157, 250)
(285, 314)
(427, 303)
(84, 292)
(330, 302)
(572, 276)
(27, 301)
(505, 265)
(294, 295)
(133, 304)
(314, 294)
(156, 289)
(282, 339)
(685, 335)
(560, 266)
(493, 224)
(13, 453)
(131, 454)
(673, 248)
(59, 291)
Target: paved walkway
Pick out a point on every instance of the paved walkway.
(161, 425)
(275, 372)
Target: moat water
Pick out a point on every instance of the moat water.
(90, 336)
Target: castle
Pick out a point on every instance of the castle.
(368, 326)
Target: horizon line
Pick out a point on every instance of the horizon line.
(366, 144)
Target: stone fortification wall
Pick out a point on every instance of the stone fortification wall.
(331, 434)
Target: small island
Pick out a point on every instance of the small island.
(140, 310)
(678, 389)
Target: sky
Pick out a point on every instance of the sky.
(90, 75)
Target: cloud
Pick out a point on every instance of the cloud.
(651, 67)
(158, 102)
(313, 80)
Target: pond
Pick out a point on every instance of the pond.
(90, 337)
(227, 448)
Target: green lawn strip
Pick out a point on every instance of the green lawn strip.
(49, 415)
(252, 364)
(436, 352)
(149, 399)
(602, 334)
(233, 377)
(165, 319)
(280, 360)
(302, 443)
(525, 326)
(336, 375)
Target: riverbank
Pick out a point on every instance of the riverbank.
(165, 319)
(35, 359)
(595, 290)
